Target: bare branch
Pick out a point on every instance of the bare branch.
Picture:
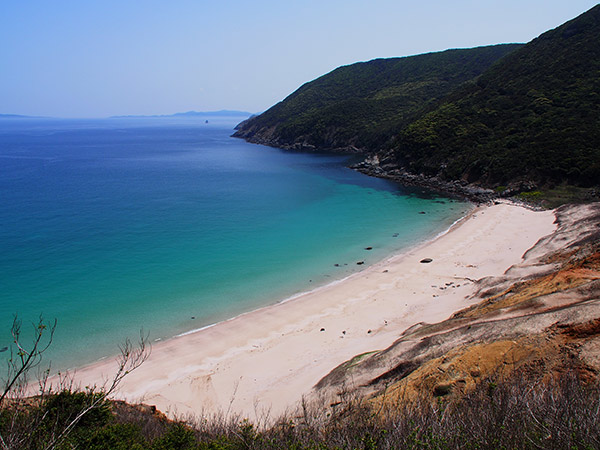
(27, 359)
(130, 358)
(23, 358)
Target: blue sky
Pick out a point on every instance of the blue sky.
(99, 58)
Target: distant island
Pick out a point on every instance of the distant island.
(221, 113)
(19, 116)
(484, 122)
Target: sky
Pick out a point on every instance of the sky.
(94, 58)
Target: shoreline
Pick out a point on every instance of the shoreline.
(318, 288)
(268, 359)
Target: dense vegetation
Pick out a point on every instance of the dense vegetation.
(513, 115)
(534, 116)
(362, 105)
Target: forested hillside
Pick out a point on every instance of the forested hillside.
(361, 106)
(534, 116)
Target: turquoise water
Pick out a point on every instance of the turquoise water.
(115, 225)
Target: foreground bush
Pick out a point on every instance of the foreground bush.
(58, 416)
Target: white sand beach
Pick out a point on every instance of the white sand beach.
(268, 359)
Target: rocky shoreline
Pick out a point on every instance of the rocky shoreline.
(461, 189)
(456, 188)
(371, 166)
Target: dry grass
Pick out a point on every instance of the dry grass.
(514, 413)
(517, 413)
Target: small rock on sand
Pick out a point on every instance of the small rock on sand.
(426, 260)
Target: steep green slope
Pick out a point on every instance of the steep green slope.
(361, 106)
(535, 117)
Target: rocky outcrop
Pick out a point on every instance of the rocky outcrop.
(462, 189)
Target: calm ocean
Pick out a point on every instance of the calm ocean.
(167, 225)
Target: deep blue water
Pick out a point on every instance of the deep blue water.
(115, 225)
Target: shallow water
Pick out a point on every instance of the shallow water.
(167, 225)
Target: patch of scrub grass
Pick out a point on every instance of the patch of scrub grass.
(560, 195)
(532, 196)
